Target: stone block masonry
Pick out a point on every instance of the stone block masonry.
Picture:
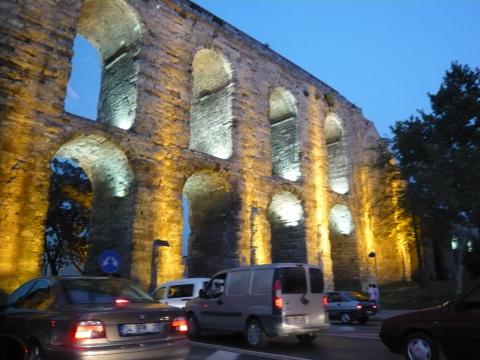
(189, 106)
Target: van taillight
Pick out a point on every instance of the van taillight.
(359, 306)
(91, 329)
(325, 300)
(277, 295)
(179, 324)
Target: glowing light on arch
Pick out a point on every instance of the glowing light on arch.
(284, 133)
(211, 109)
(337, 157)
(341, 220)
(104, 163)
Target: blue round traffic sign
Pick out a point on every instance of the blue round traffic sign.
(109, 261)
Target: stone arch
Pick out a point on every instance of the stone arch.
(211, 107)
(111, 177)
(213, 219)
(287, 223)
(337, 155)
(343, 248)
(113, 28)
(284, 133)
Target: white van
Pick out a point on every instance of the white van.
(262, 301)
(178, 292)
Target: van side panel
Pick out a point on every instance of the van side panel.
(235, 302)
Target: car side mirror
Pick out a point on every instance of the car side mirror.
(201, 294)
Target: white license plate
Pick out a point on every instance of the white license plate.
(296, 320)
(140, 329)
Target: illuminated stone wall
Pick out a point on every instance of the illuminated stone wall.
(236, 208)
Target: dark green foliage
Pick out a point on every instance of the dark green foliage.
(438, 154)
(67, 224)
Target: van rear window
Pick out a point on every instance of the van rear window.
(293, 280)
(316, 280)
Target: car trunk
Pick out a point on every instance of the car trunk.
(132, 321)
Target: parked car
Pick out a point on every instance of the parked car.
(452, 329)
(87, 317)
(262, 301)
(349, 306)
(178, 292)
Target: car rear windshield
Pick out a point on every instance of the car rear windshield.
(358, 296)
(293, 280)
(103, 291)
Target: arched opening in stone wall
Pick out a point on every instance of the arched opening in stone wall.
(337, 155)
(287, 224)
(109, 204)
(284, 132)
(211, 108)
(213, 220)
(112, 27)
(343, 249)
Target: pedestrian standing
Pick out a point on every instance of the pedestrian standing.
(371, 295)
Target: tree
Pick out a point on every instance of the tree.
(67, 224)
(438, 154)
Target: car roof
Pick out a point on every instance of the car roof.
(184, 281)
(268, 266)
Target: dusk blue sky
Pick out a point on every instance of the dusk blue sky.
(382, 55)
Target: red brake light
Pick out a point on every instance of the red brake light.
(121, 301)
(374, 306)
(91, 329)
(359, 306)
(325, 300)
(278, 302)
(277, 295)
(179, 324)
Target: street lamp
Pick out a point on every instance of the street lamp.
(153, 272)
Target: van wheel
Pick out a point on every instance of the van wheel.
(306, 338)
(194, 329)
(346, 318)
(254, 334)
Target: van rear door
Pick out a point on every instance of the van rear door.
(317, 311)
(290, 286)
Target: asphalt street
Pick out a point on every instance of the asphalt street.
(341, 342)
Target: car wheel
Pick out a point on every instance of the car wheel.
(420, 346)
(34, 352)
(362, 320)
(346, 318)
(254, 334)
(194, 328)
(306, 338)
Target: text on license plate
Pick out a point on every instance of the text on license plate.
(295, 320)
(140, 329)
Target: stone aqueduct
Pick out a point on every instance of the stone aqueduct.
(276, 165)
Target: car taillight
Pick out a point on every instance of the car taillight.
(180, 325)
(121, 301)
(359, 306)
(91, 329)
(325, 300)
(374, 306)
(277, 295)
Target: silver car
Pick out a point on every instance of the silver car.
(89, 317)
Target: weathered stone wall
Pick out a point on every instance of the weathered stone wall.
(36, 47)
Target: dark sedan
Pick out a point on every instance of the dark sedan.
(349, 306)
(89, 317)
(452, 329)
